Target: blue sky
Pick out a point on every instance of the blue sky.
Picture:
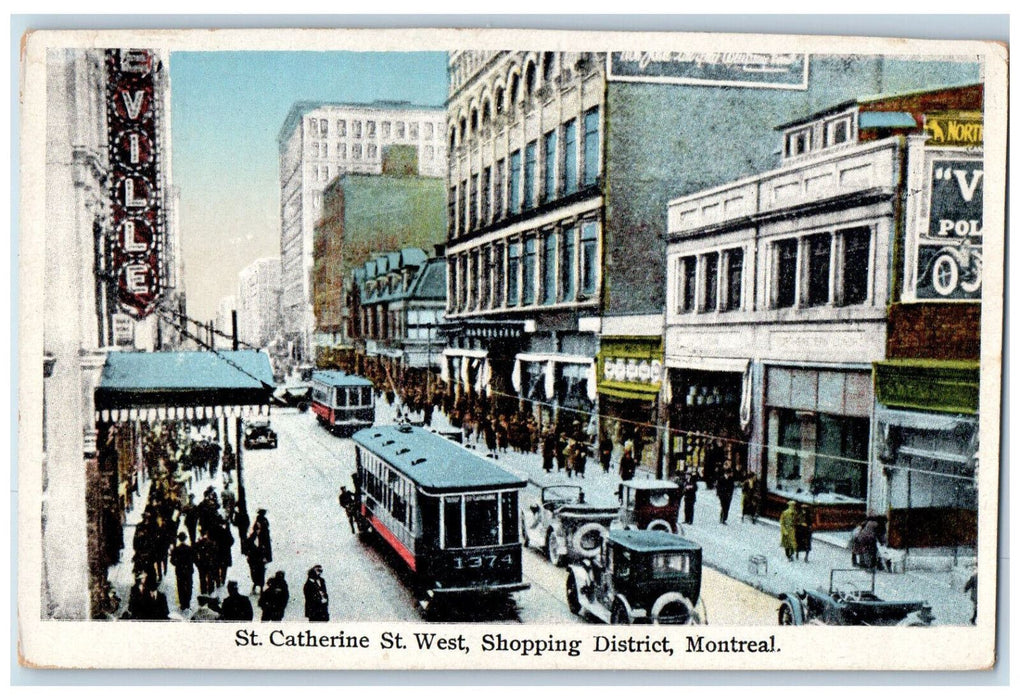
(227, 109)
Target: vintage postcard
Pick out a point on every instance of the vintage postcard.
(425, 349)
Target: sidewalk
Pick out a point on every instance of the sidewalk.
(727, 548)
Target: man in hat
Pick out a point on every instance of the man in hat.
(788, 529)
(264, 542)
(236, 607)
(316, 596)
(349, 503)
(274, 598)
(183, 559)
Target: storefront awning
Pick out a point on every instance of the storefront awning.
(929, 385)
(157, 385)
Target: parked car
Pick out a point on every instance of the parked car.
(851, 600)
(650, 504)
(639, 576)
(297, 396)
(565, 526)
(259, 434)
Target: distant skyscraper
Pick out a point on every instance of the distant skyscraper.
(318, 142)
(258, 302)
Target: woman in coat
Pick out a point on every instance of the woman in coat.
(803, 529)
(316, 597)
(864, 546)
(788, 529)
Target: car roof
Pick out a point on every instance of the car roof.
(650, 484)
(651, 541)
(338, 378)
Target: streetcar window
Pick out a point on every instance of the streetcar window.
(509, 507)
(482, 512)
(452, 523)
(341, 398)
(366, 396)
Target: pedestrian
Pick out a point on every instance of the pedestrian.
(224, 541)
(146, 601)
(274, 598)
(256, 563)
(971, 586)
(803, 529)
(205, 562)
(190, 512)
(864, 545)
(605, 452)
(628, 466)
(724, 490)
(265, 542)
(787, 529)
(229, 502)
(144, 543)
(689, 494)
(348, 502)
(579, 458)
(316, 596)
(236, 607)
(749, 502)
(548, 450)
(183, 559)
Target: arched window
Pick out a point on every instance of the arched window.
(499, 101)
(486, 113)
(463, 130)
(474, 121)
(529, 80)
(548, 60)
(515, 89)
(453, 139)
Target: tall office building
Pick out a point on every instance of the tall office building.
(318, 142)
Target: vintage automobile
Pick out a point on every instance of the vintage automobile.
(639, 576)
(650, 504)
(566, 527)
(259, 434)
(851, 601)
(297, 396)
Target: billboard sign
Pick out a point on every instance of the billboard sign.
(787, 71)
(135, 197)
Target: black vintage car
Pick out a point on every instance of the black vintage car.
(639, 576)
(259, 434)
(851, 600)
(297, 396)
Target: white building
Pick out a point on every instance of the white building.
(319, 141)
(258, 302)
(224, 323)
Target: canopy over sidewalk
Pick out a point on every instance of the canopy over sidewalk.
(179, 385)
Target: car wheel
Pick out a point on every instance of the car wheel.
(552, 546)
(660, 524)
(786, 616)
(620, 616)
(587, 541)
(573, 602)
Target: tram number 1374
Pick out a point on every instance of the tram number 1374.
(482, 561)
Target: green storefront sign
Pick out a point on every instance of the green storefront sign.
(630, 367)
(928, 385)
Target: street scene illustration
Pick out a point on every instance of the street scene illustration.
(512, 337)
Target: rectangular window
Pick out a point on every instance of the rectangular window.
(498, 185)
(315, 149)
(356, 126)
(513, 197)
(549, 269)
(481, 513)
(841, 455)
(528, 272)
(473, 284)
(513, 274)
(372, 150)
(549, 163)
(464, 281)
(485, 194)
(786, 273)
(789, 445)
(498, 276)
(325, 150)
(711, 282)
(819, 252)
(341, 127)
(356, 151)
(530, 156)
(462, 207)
(856, 265)
(474, 202)
(484, 271)
(385, 128)
(313, 126)
(837, 131)
(589, 265)
(591, 146)
(568, 265)
(570, 157)
(734, 278)
(688, 284)
(451, 210)
(798, 143)
(370, 129)
(412, 130)
(400, 130)
(452, 520)
(341, 151)
(428, 130)
(508, 503)
(323, 128)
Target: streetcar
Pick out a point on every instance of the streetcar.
(343, 402)
(449, 514)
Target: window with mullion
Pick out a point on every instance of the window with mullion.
(568, 265)
(819, 265)
(856, 265)
(570, 157)
(528, 272)
(711, 262)
(549, 163)
(786, 273)
(549, 268)
(513, 197)
(530, 158)
(734, 278)
(473, 223)
(513, 274)
(591, 146)
(589, 265)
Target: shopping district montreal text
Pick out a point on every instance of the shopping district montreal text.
(541, 336)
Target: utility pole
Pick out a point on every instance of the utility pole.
(242, 502)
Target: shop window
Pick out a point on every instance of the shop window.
(530, 158)
(549, 269)
(514, 195)
(568, 265)
(788, 446)
(841, 458)
(549, 163)
(572, 387)
(711, 262)
(591, 146)
(570, 157)
(589, 264)
(513, 274)
(734, 278)
(687, 271)
(856, 265)
(528, 272)
(819, 259)
(785, 273)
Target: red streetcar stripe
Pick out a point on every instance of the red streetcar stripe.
(397, 545)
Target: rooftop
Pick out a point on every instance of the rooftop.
(299, 109)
